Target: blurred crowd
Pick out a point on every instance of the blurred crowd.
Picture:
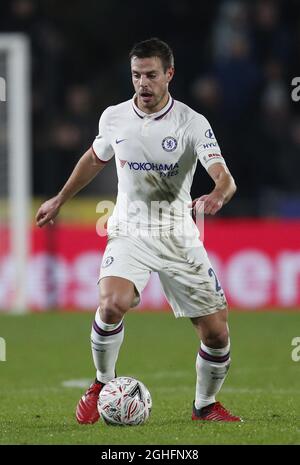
(234, 61)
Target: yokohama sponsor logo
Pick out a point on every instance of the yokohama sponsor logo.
(123, 163)
(138, 166)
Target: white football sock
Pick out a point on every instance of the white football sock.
(106, 340)
(211, 366)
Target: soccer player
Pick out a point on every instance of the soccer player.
(156, 142)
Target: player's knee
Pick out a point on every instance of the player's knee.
(113, 308)
(217, 340)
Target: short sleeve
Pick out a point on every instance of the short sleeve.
(101, 146)
(204, 142)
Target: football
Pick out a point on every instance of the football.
(124, 401)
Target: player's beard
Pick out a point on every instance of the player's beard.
(150, 103)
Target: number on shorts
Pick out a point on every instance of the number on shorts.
(211, 272)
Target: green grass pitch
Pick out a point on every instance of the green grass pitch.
(46, 351)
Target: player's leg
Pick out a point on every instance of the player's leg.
(213, 358)
(193, 290)
(125, 270)
(212, 365)
(116, 297)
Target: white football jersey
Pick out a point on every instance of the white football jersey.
(156, 157)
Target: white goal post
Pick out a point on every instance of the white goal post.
(15, 155)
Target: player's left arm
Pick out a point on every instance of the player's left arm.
(225, 188)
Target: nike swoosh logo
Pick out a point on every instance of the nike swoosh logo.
(120, 140)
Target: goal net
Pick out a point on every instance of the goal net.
(14, 170)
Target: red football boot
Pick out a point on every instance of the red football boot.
(213, 412)
(86, 411)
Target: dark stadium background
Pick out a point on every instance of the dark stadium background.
(234, 63)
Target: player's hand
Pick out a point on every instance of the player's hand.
(48, 211)
(210, 204)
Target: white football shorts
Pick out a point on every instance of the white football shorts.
(187, 277)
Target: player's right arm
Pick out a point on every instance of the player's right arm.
(85, 170)
(89, 165)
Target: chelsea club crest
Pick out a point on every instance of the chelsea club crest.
(169, 144)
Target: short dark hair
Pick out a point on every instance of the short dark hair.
(153, 47)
